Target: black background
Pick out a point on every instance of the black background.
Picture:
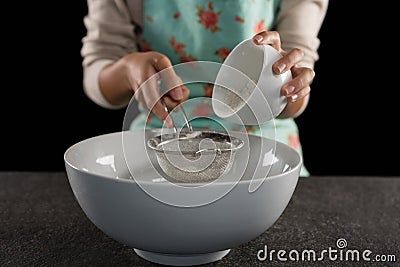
(349, 127)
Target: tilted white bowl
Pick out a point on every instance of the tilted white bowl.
(246, 90)
(162, 222)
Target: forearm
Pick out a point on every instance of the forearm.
(110, 36)
(298, 24)
(114, 84)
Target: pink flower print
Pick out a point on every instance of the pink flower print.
(176, 15)
(259, 26)
(222, 53)
(239, 19)
(209, 18)
(149, 19)
(179, 48)
(250, 129)
(294, 141)
(187, 58)
(208, 90)
(202, 110)
(145, 46)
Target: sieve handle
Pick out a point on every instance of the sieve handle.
(218, 150)
(186, 118)
(184, 115)
(167, 110)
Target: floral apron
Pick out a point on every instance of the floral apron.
(207, 30)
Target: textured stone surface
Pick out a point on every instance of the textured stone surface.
(41, 224)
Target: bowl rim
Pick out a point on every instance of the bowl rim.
(216, 182)
(157, 141)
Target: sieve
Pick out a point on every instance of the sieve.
(193, 156)
(184, 116)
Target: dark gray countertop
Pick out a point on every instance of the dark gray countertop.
(41, 224)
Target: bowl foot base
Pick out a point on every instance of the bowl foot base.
(181, 259)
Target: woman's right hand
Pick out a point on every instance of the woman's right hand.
(140, 73)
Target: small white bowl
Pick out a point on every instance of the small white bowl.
(99, 171)
(246, 91)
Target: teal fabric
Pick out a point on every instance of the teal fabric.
(208, 30)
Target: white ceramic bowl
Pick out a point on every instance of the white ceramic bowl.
(246, 91)
(159, 232)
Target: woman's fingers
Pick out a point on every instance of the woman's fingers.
(271, 38)
(288, 60)
(156, 69)
(299, 86)
(172, 82)
(171, 103)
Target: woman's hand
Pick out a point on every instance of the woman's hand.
(299, 87)
(140, 73)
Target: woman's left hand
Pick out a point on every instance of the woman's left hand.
(299, 86)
